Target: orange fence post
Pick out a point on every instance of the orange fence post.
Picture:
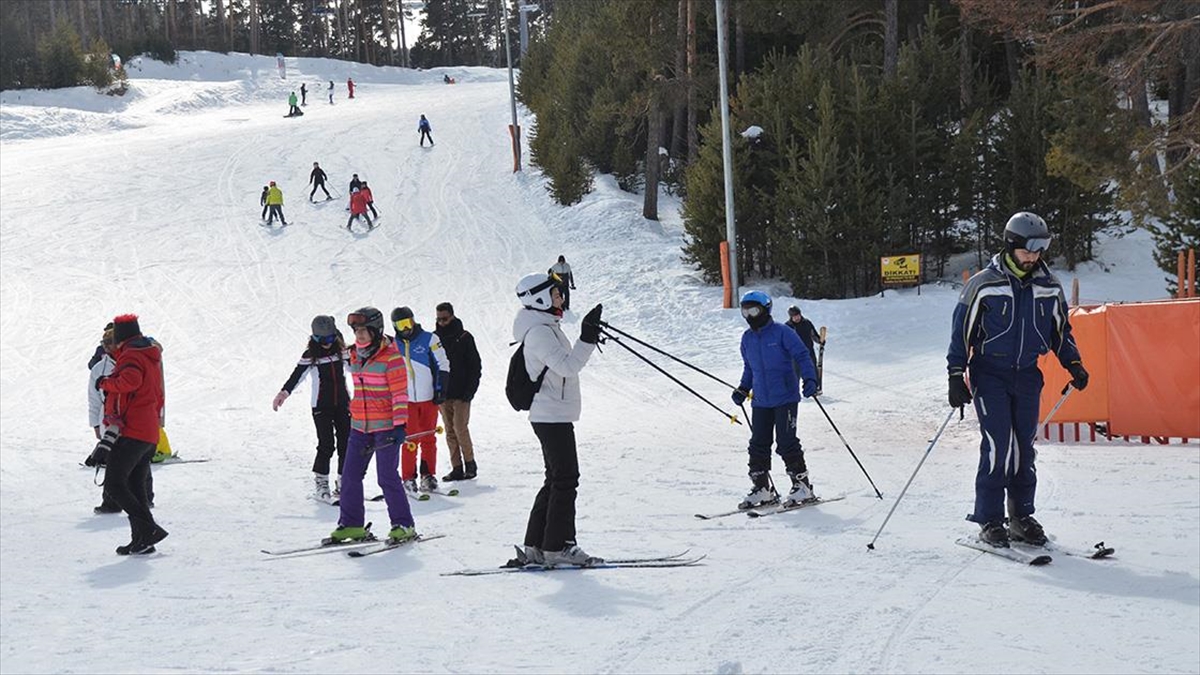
(728, 294)
(1191, 272)
(1180, 287)
(966, 276)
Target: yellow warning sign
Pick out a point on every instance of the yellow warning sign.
(900, 269)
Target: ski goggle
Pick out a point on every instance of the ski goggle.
(404, 324)
(752, 311)
(324, 339)
(552, 279)
(1037, 244)
(356, 320)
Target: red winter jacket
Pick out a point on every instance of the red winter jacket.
(135, 390)
(358, 203)
(366, 193)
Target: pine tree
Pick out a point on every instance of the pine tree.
(1180, 230)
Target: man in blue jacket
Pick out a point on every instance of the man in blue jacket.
(1009, 314)
(772, 355)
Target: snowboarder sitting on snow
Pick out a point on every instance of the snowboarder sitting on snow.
(424, 129)
(262, 200)
(358, 207)
(323, 361)
(1017, 307)
(772, 356)
(369, 198)
(275, 204)
(446, 79)
(293, 109)
(317, 178)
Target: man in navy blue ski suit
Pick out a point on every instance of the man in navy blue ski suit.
(1008, 315)
(772, 355)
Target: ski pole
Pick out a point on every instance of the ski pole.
(1065, 393)
(408, 442)
(669, 356)
(732, 418)
(839, 433)
(928, 450)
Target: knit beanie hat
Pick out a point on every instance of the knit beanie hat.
(125, 327)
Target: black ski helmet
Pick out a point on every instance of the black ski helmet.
(400, 314)
(1028, 231)
(367, 316)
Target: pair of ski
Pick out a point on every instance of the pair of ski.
(167, 462)
(423, 496)
(762, 512)
(677, 560)
(1029, 554)
(354, 549)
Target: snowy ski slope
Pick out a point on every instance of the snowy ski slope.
(149, 204)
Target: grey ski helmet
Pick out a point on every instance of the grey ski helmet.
(367, 316)
(1028, 231)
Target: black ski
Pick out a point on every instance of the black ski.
(794, 507)
(758, 512)
(607, 565)
(1016, 555)
(389, 546)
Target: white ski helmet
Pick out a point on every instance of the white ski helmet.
(534, 290)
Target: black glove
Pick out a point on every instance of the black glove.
(739, 396)
(1079, 376)
(98, 381)
(810, 388)
(99, 456)
(590, 332)
(960, 394)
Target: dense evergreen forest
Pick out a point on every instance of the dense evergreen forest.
(862, 128)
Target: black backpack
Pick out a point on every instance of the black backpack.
(519, 389)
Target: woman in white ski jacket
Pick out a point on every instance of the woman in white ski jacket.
(550, 533)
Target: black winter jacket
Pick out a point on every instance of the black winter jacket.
(465, 366)
(329, 379)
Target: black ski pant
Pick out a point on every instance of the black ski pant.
(354, 217)
(552, 520)
(333, 431)
(424, 135)
(125, 479)
(371, 205)
(108, 502)
(779, 422)
(265, 209)
(276, 210)
(319, 184)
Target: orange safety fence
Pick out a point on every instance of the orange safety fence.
(1144, 365)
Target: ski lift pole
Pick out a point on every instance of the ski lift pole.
(839, 433)
(871, 546)
(669, 356)
(732, 418)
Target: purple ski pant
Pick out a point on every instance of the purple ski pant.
(387, 462)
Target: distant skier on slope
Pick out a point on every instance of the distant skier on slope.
(358, 207)
(303, 94)
(350, 87)
(563, 269)
(262, 200)
(773, 362)
(368, 198)
(1008, 314)
(317, 179)
(808, 335)
(275, 204)
(331, 92)
(424, 129)
(323, 361)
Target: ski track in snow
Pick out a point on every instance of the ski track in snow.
(150, 204)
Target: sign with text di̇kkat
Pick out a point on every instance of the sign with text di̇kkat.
(900, 269)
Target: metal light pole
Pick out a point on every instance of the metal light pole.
(513, 129)
(727, 149)
(525, 9)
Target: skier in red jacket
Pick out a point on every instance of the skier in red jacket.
(358, 207)
(132, 412)
(370, 199)
(350, 86)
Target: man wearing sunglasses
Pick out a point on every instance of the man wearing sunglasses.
(1008, 315)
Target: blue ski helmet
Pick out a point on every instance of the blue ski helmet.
(757, 298)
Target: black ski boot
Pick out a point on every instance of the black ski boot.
(995, 534)
(1026, 529)
(470, 471)
(455, 474)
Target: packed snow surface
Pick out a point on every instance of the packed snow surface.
(149, 204)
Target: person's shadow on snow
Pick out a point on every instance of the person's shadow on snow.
(582, 593)
(129, 570)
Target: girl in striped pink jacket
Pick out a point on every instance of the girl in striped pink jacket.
(378, 417)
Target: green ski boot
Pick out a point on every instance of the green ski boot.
(401, 534)
(349, 534)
